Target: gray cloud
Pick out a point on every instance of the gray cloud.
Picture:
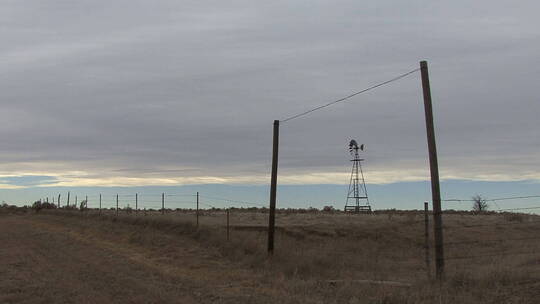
(182, 89)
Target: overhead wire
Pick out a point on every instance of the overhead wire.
(351, 95)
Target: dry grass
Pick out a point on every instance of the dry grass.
(313, 248)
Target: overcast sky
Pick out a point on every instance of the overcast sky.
(134, 93)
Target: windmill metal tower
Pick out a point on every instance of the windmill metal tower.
(357, 198)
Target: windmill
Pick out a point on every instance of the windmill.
(357, 198)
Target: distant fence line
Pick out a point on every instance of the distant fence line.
(150, 201)
(154, 201)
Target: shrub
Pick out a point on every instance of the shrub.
(328, 209)
(83, 205)
(38, 205)
(479, 203)
(514, 217)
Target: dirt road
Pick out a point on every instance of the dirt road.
(51, 259)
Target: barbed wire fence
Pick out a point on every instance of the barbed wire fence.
(156, 204)
(477, 241)
(485, 242)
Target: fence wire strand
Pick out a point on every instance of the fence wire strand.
(492, 199)
(492, 254)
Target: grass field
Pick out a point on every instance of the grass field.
(58, 256)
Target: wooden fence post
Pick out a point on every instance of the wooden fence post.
(116, 204)
(197, 212)
(273, 188)
(58, 201)
(426, 238)
(100, 203)
(162, 203)
(434, 169)
(228, 238)
(136, 203)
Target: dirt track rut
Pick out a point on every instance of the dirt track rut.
(43, 260)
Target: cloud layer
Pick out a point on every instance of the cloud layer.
(180, 92)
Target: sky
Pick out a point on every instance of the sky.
(119, 95)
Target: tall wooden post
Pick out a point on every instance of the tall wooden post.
(136, 203)
(58, 201)
(434, 169)
(100, 203)
(116, 204)
(162, 203)
(197, 212)
(426, 238)
(273, 188)
(68, 199)
(86, 202)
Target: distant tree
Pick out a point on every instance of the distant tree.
(328, 209)
(479, 203)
